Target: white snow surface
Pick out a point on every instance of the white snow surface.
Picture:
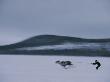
(68, 46)
(15, 68)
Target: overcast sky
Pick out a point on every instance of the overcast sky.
(20, 19)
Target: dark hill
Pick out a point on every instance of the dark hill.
(43, 40)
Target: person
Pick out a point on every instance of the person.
(97, 63)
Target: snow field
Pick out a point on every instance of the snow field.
(14, 68)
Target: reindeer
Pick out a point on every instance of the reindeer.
(64, 63)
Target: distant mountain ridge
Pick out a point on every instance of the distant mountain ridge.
(42, 40)
(52, 40)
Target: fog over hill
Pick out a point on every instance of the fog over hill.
(59, 45)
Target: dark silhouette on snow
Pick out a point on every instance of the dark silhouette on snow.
(64, 63)
(97, 63)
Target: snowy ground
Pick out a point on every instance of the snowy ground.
(44, 69)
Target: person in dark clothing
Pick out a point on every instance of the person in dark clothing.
(97, 63)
